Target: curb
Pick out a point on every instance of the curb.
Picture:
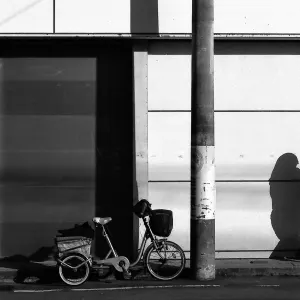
(259, 272)
(50, 274)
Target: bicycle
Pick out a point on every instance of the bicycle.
(75, 261)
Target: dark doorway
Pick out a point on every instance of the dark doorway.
(115, 148)
(36, 197)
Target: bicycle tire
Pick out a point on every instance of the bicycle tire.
(67, 274)
(170, 272)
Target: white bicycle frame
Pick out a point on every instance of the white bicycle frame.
(120, 263)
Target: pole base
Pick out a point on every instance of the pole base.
(204, 274)
(203, 249)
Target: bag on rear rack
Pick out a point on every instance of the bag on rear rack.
(74, 244)
(161, 222)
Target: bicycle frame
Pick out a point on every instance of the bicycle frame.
(148, 234)
(75, 258)
(120, 263)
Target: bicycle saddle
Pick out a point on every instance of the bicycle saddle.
(102, 221)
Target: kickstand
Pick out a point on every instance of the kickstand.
(126, 274)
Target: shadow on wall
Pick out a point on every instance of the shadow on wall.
(47, 165)
(144, 17)
(285, 216)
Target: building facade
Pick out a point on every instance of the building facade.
(78, 76)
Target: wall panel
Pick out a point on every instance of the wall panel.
(26, 16)
(92, 16)
(248, 144)
(242, 217)
(174, 16)
(31, 216)
(47, 149)
(243, 81)
(256, 138)
(159, 16)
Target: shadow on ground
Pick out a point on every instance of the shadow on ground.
(33, 269)
(36, 268)
(32, 266)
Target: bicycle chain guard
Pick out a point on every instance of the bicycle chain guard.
(115, 262)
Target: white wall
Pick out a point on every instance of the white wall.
(234, 16)
(93, 16)
(250, 135)
(171, 16)
(26, 16)
(174, 16)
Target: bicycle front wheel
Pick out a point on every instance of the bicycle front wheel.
(166, 262)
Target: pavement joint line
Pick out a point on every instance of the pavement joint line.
(151, 287)
(38, 291)
(268, 285)
(134, 287)
(121, 288)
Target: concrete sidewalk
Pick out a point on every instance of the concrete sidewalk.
(21, 271)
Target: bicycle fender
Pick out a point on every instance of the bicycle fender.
(88, 259)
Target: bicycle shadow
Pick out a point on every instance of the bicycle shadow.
(285, 194)
(41, 266)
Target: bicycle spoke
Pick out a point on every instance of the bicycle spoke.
(167, 262)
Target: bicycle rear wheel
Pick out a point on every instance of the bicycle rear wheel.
(74, 270)
(166, 262)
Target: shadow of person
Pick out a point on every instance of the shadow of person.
(285, 216)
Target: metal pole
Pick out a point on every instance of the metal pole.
(203, 191)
